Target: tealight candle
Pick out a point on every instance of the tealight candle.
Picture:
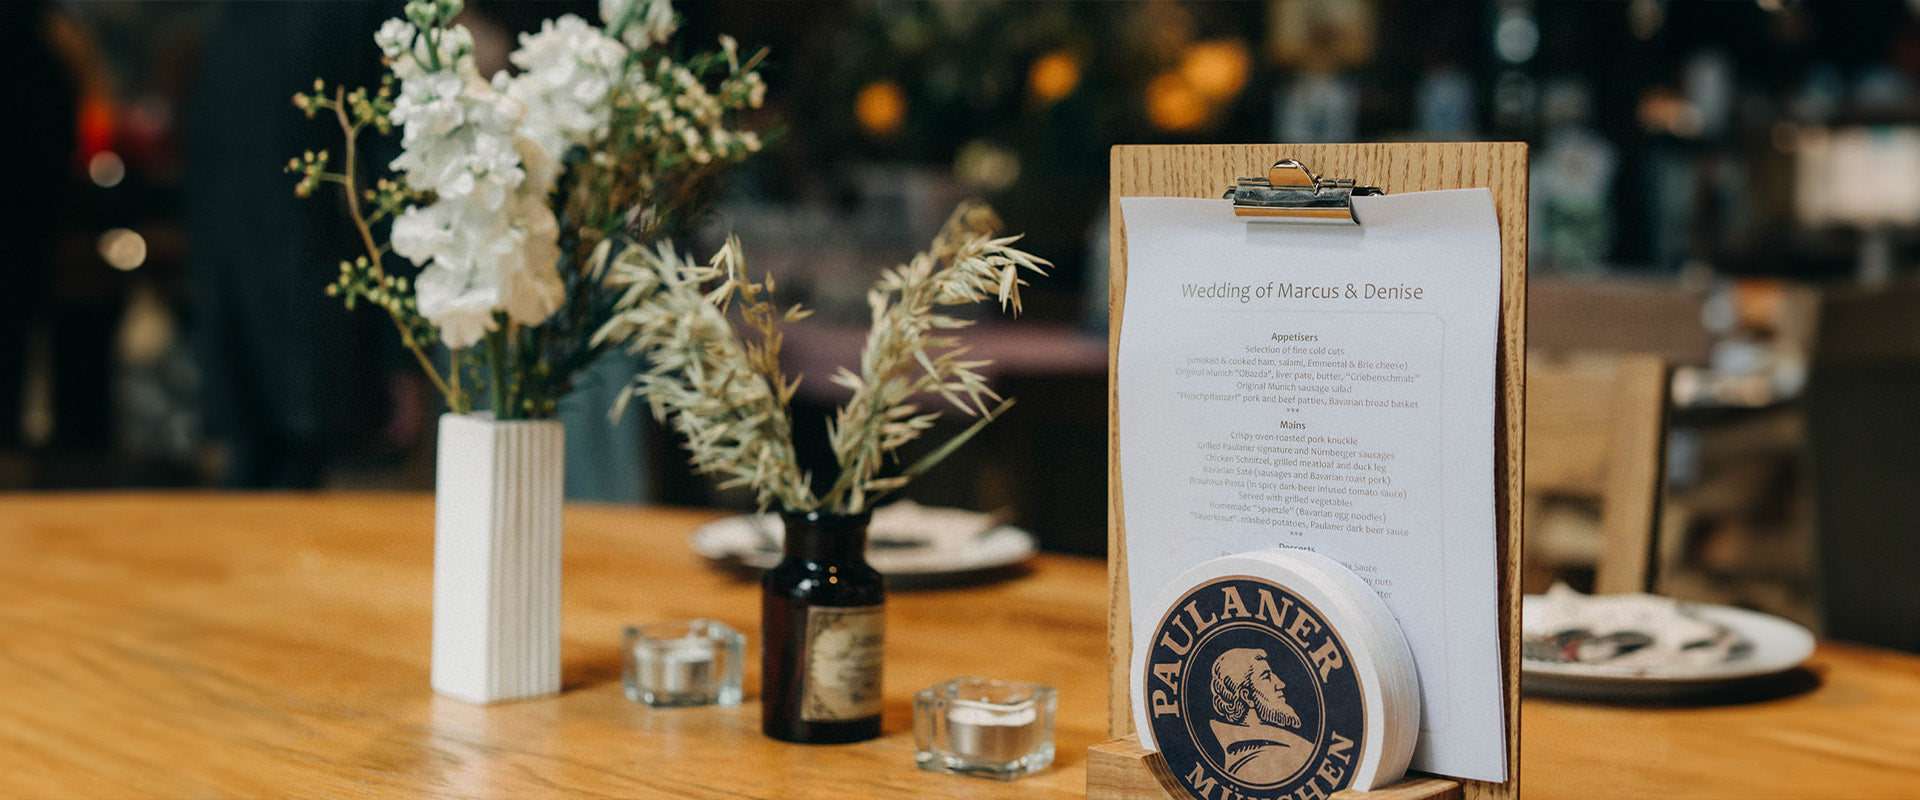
(983, 727)
(986, 733)
(683, 663)
(678, 665)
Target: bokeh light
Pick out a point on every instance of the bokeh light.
(881, 109)
(986, 166)
(123, 249)
(1516, 37)
(106, 169)
(1053, 76)
(1173, 105)
(1216, 69)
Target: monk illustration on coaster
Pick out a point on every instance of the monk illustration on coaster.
(1254, 720)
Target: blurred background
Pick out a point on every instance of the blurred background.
(1732, 187)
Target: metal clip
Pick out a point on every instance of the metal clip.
(1291, 192)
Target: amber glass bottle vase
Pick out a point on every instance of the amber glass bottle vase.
(822, 630)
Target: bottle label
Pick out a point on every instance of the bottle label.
(841, 677)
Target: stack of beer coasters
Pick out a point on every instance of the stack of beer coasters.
(1275, 673)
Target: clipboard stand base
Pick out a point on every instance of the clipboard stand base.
(1120, 769)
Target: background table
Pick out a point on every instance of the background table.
(201, 645)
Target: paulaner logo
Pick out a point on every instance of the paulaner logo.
(1252, 696)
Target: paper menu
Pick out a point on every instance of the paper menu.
(1328, 388)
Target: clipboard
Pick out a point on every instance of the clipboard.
(1120, 768)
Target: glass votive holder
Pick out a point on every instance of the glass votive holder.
(683, 663)
(984, 727)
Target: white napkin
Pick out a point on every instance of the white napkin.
(1628, 633)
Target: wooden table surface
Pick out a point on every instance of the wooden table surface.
(202, 645)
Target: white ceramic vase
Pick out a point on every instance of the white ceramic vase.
(496, 558)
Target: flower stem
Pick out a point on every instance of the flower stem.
(497, 364)
(456, 400)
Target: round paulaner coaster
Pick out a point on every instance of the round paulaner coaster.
(1275, 674)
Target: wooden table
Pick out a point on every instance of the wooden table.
(199, 645)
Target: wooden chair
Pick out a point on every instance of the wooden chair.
(1596, 430)
(1570, 317)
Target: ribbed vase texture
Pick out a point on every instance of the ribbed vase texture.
(496, 558)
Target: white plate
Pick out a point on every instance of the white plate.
(896, 547)
(1777, 645)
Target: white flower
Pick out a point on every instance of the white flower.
(460, 303)
(478, 260)
(421, 232)
(395, 37)
(530, 286)
(429, 105)
(756, 90)
(435, 164)
(412, 54)
(612, 10)
(455, 43)
(483, 262)
(457, 138)
(542, 172)
(491, 151)
(569, 70)
(655, 26)
(554, 49)
(494, 168)
(489, 226)
(491, 107)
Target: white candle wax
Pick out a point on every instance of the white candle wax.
(991, 735)
(676, 666)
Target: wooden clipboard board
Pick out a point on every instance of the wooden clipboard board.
(1121, 768)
